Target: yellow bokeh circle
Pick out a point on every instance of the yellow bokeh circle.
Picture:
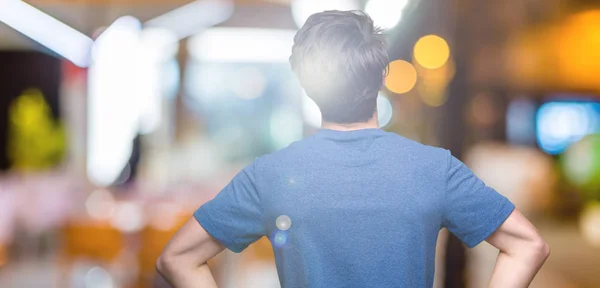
(431, 51)
(402, 77)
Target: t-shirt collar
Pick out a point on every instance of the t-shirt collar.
(348, 134)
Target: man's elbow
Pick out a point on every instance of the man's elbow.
(164, 264)
(533, 249)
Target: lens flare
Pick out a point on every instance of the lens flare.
(283, 222)
(279, 239)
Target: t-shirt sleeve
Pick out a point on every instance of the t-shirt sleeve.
(234, 217)
(473, 211)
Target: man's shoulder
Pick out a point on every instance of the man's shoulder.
(292, 151)
(417, 148)
(393, 143)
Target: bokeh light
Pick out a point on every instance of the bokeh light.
(279, 238)
(164, 216)
(385, 110)
(431, 51)
(402, 77)
(128, 217)
(98, 277)
(302, 9)
(589, 223)
(581, 164)
(114, 101)
(559, 124)
(250, 83)
(385, 13)
(100, 204)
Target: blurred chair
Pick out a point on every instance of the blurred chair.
(95, 241)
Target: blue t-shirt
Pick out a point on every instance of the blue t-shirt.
(358, 208)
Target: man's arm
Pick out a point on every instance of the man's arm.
(183, 261)
(522, 252)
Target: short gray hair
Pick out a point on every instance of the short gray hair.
(341, 59)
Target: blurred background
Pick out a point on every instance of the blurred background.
(119, 118)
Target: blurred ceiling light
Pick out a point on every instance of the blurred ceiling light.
(431, 51)
(113, 118)
(385, 13)
(559, 124)
(42, 28)
(125, 29)
(194, 17)
(159, 43)
(249, 83)
(384, 110)
(311, 112)
(247, 45)
(402, 77)
(156, 47)
(125, 93)
(302, 9)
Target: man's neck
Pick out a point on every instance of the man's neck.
(371, 123)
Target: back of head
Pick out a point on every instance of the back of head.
(340, 59)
